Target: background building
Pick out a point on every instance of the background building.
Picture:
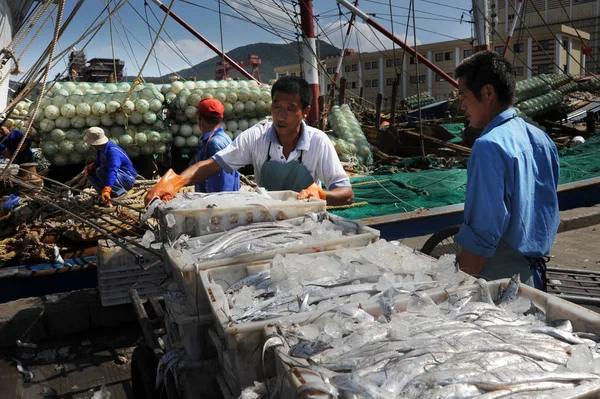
(537, 49)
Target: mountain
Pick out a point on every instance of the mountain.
(271, 55)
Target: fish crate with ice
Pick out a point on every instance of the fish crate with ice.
(198, 214)
(260, 241)
(119, 271)
(302, 288)
(481, 340)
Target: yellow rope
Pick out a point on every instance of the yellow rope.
(364, 183)
(342, 207)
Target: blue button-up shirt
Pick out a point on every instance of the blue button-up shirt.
(12, 141)
(115, 160)
(222, 181)
(512, 179)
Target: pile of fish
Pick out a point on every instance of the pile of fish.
(261, 237)
(467, 347)
(224, 200)
(300, 283)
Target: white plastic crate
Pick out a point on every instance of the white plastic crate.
(118, 272)
(182, 264)
(241, 340)
(203, 221)
(584, 320)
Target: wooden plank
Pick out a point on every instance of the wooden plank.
(459, 148)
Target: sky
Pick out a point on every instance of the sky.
(243, 22)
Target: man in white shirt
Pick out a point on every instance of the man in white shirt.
(286, 153)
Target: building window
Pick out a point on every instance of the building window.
(389, 81)
(389, 63)
(439, 57)
(354, 67)
(375, 83)
(511, 17)
(354, 85)
(367, 83)
(329, 87)
(499, 49)
(518, 47)
(519, 71)
(467, 53)
(330, 70)
(293, 74)
(544, 45)
(448, 56)
(412, 61)
(347, 68)
(413, 79)
(367, 65)
(565, 44)
(438, 78)
(543, 68)
(398, 61)
(422, 78)
(375, 65)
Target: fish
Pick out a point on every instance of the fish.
(303, 304)
(27, 374)
(306, 349)
(484, 291)
(251, 280)
(511, 291)
(559, 334)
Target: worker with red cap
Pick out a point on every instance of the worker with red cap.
(210, 121)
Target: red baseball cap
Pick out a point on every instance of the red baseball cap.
(211, 107)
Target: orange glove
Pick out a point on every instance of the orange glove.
(106, 194)
(313, 191)
(89, 168)
(166, 188)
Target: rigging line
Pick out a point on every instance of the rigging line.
(132, 55)
(150, 35)
(404, 8)
(577, 31)
(274, 16)
(553, 35)
(216, 11)
(222, 45)
(149, 52)
(56, 35)
(428, 30)
(412, 2)
(521, 32)
(58, 44)
(402, 57)
(245, 18)
(393, 42)
(22, 33)
(112, 43)
(445, 5)
(262, 13)
(181, 53)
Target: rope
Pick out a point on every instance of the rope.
(342, 207)
(137, 79)
(112, 43)
(61, 6)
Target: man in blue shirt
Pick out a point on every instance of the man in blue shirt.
(210, 120)
(112, 174)
(511, 206)
(10, 141)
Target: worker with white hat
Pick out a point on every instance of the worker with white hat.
(112, 174)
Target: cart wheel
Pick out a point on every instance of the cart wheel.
(442, 243)
(143, 374)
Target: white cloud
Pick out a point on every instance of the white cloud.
(369, 40)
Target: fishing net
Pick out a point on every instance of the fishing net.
(455, 129)
(390, 191)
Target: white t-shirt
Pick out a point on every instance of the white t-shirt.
(318, 154)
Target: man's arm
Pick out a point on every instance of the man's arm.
(471, 263)
(200, 171)
(340, 196)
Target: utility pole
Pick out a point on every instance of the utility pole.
(310, 63)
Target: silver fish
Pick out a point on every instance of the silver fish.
(484, 291)
(511, 291)
(27, 374)
(250, 280)
(559, 334)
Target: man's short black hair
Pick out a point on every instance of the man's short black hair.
(487, 67)
(293, 85)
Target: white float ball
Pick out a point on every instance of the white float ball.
(232, 126)
(243, 94)
(62, 93)
(170, 96)
(185, 130)
(59, 160)
(230, 134)
(128, 107)
(176, 87)
(265, 95)
(255, 95)
(125, 140)
(47, 125)
(252, 122)
(174, 128)
(149, 117)
(260, 107)
(194, 99)
(92, 120)
(179, 141)
(68, 110)
(124, 87)
(107, 120)
(243, 124)
(190, 112)
(112, 107)
(52, 112)
(237, 133)
(50, 148)
(136, 118)
(200, 84)
(196, 130)
(75, 99)
(82, 147)
(62, 122)
(66, 147)
(238, 107)
(192, 141)
(232, 96)
(142, 106)
(221, 96)
(155, 105)
(249, 107)
(190, 85)
(110, 88)
(153, 137)
(120, 118)
(98, 108)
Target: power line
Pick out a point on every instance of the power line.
(446, 5)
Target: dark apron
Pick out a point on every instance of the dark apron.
(292, 175)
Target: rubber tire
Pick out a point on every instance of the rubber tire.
(438, 237)
(143, 374)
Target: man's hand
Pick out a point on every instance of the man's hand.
(89, 169)
(106, 195)
(5, 130)
(313, 191)
(166, 188)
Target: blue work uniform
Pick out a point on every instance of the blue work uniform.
(511, 206)
(12, 142)
(113, 169)
(211, 143)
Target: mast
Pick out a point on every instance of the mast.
(309, 57)
(370, 21)
(482, 25)
(512, 28)
(205, 41)
(344, 43)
